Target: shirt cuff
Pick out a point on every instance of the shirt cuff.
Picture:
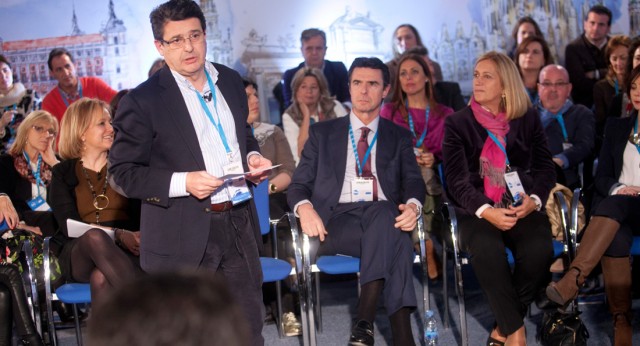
(417, 203)
(178, 186)
(565, 160)
(537, 201)
(251, 153)
(482, 209)
(615, 188)
(295, 207)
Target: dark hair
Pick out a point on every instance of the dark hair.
(601, 10)
(169, 309)
(546, 52)
(418, 50)
(308, 34)
(635, 44)
(56, 52)
(415, 33)
(399, 96)
(113, 105)
(157, 65)
(246, 82)
(521, 21)
(635, 73)
(4, 60)
(373, 63)
(174, 10)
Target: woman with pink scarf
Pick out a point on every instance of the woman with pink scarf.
(488, 148)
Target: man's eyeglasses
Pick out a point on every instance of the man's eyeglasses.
(178, 42)
(40, 130)
(557, 84)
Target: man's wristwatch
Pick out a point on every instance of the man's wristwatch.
(272, 188)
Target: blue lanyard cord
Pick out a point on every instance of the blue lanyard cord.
(355, 150)
(36, 173)
(217, 125)
(65, 100)
(412, 127)
(495, 140)
(616, 86)
(635, 135)
(560, 120)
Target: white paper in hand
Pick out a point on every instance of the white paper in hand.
(76, 229)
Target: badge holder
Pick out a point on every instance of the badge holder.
(512, 179)
(237, 189)
(38, 204)
(362, 190)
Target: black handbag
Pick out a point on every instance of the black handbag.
(563, 329)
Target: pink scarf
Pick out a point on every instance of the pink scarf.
(492, 159)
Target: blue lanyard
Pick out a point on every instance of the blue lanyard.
(411, 126)
(217, 125)
(36, 173)
(65, 100)
(635, 135)
(616, 86)
(495, 140)
(560, 120)
(355, 150)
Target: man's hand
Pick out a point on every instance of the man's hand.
(258, 162)
(503, 219)
(408, 217)
(426, 159)
(201, 184)
(629, 191)
(8, 212)
(311, 222)
(527, 206)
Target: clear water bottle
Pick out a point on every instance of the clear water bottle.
(430, 329)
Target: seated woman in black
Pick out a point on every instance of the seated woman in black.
(80, 191)
(487, 145)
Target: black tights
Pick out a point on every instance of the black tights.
(96, 259)
(13, 305)
(400, 321)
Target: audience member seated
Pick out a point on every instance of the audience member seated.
(414, 107)
(15, 103)
(607, 239)
(633, 59)
(525, 27)
(569, 127)
(25, 171)
(405, 37)
(584, 56)
(446, 93)
(157, 65)
(80, 191)
(274, 146)
(363, 200)
(500, 137)
(14, 308)
(188, 309)
(314, 47)
(70, 88)
(311, 104)
(605, 91)
(531, 56)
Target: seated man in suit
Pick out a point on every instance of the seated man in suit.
(364, 199)
(314, 48)
(570, 128)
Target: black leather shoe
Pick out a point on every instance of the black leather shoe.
(361, 334)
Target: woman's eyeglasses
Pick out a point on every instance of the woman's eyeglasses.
(40, 130)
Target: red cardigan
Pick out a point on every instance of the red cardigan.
(91, 87)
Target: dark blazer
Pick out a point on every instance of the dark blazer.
(449, 94)
(155, 137)
(581, 57)
(337, 78)
(527, 151)
(14, 185)
(616, 136)
(320, 173)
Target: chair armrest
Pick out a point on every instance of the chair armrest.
(563, 208)
(33, 283)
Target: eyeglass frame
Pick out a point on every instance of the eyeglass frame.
(41, 129)
(181, 40)
(556, 85)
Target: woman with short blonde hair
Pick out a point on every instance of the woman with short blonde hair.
(76, 124)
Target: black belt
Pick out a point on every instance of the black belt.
(225, 206)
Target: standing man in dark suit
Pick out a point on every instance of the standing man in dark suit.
(364, 199)
(314, 48)
(177, 135)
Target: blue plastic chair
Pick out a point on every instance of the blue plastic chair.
(71, 293)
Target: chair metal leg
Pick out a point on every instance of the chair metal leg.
(445, 285)
(76, 318)
(308, 333)
(318, 308)
(422, 236)
(279, 309)
(34, 301)
(53, 337)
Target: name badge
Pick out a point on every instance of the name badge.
(236, 188)
(362, 190)
(38, 204)
(514, 184)
(566, 145)
(417, 151)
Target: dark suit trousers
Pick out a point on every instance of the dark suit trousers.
(232, 254)
(509, 292)
(623, 209)
(366, 230)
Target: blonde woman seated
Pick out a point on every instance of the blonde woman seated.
(80, 191)
(311, 103)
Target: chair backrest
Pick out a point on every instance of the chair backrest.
(261, 198)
